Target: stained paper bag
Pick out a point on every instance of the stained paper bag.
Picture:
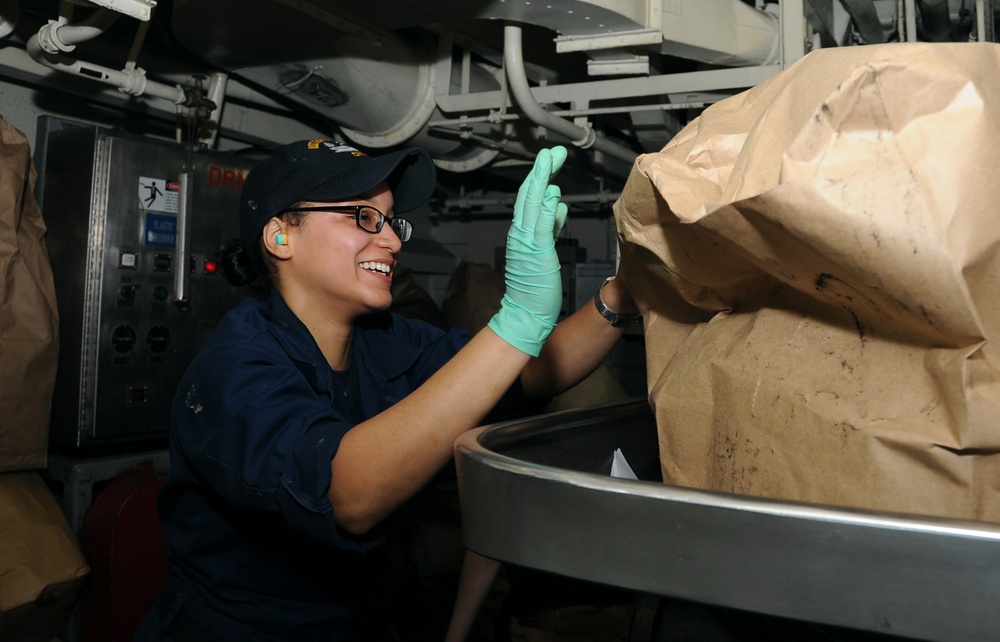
(29, 320)
(817, 260)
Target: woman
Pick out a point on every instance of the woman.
(309, 418)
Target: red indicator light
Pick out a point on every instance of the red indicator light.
(211, 266)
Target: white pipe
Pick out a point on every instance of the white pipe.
(59, 37)
(248, 124)
(45, 46)
(518, 82)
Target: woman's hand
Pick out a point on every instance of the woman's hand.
(531, 304)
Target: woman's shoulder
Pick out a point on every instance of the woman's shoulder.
(243, 333)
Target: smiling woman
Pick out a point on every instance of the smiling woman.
(311, 417)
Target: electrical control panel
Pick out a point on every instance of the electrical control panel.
(135, 228)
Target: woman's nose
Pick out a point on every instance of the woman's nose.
(387, 237)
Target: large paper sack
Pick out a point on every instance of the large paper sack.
(817, 260)
(29, 321)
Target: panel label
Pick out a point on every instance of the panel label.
(161, 230)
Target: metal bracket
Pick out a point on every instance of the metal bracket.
(618, 39)
(138, 9)
(623, 64)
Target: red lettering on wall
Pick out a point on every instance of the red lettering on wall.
(225, 177)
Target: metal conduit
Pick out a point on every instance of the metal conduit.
(583, 137)
(46, 47)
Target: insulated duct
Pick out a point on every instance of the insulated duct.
(430, 74)
(384, 94)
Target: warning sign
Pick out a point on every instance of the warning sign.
(158, 195)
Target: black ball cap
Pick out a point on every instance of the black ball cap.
(328, 171)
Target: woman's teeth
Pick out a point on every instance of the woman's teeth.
(375, 267)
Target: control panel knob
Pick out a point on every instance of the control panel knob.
(158, 338)
(123, 339)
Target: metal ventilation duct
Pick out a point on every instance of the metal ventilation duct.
(431, 72)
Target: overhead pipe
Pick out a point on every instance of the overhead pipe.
(624, 109)
(48, 46)
(60, 37)
(583, 137)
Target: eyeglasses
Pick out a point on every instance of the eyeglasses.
(367, 218)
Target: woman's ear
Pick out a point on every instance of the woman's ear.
(277, 238)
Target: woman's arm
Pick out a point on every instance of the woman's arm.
(578, 344)
(383, 461)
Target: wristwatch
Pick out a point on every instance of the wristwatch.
(615, 319)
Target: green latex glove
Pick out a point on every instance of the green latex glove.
(530, 306)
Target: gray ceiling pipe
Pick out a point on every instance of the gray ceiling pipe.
(582, 137)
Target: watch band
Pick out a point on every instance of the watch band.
(615, 319)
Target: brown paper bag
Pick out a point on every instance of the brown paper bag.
(29, 321)
(817, 259)
(41, 564)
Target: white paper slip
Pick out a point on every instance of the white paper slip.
(620, 467)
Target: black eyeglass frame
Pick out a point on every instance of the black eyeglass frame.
(402, 227)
